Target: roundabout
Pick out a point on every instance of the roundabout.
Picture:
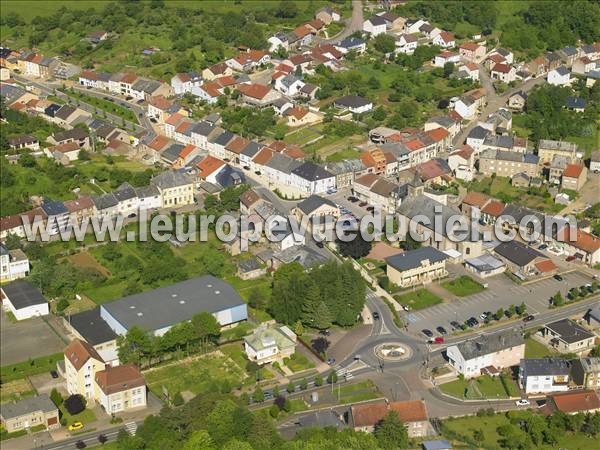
(393, 351)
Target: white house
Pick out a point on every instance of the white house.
(267, 344)
(148, 198)
(120, 388)
(445, 40)
(289, 85)
(466, 107)
(475, 356)
(504, 72)
(413, 26)
(351, 44)
(544, 375)
(14, 264)
(375, 26)
(185, 82)
(406, 43)
(23, 300)
(310, 178)
(446, 57)
(560, 76)
(354, 104)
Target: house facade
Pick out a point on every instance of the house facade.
(270, 343)
(544, 375)
(416, 267)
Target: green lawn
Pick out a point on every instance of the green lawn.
(85, 417)
(481, 387)
(463, 286)
(343, 155)
(419, 299)
(535, 349)
(357, 392)
(197, 375)
(303, 135)
(30, 367)
(298, 362)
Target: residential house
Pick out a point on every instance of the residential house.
(469, 103)
(473, 203)
(24, 141)
(416, 267)
(406, 44)
(446, 57)
(120, 388)
(487, 353)
(298, 116)
(289, 85)
(354, 44)
(217, 70)
(234, 149)
(68, 115)
(304, 36)
(560, 76)
(311, 178)
(586, 372)
(80, 209)
(485, 266)
(567, 336)
(584, 65)
(270, 343)
(491, 211)
(462, 162)
(469, 70)
(318, 212)
(375, 26)
(14, 224)
(517, 101)
(149, 198)
(29, 412)
(176, 188)
(472, 52)
(13, 264)
(82, 361)
(246, 61)
(548, 149)
(258, 94)
(250, 269)
(504, 73)
(508, 163)
(58, 216)
(448, 123)
(64, 153)
(576, 104)
(346, 171)
(77, 135)
(353, 103)
(413, 25)
(412, 413)
(183, 83)
(595, 161)
(327, 15)
(445, 40)
(574, 177)
(160, 109)
(544, 375)
(576, 402)
(519, 257)
(392, 21)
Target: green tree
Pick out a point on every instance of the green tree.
(291, 387)
(499, 314)
(323, 317)
(199, 440)
(258, 396)
(318, 380)
(384, 43)
(390, 432)
(206, 327)
(332, 377)
(177, 399)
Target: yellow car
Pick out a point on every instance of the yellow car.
(75, 426)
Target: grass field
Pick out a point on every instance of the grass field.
(466, 426)
(365, 390)
(419, 299)
(197, 375)
(482, 387)
(463, 286)
(343, 155)
(535, 349)
(16, 390)
(30, 367)
(85, 417)
(298, 362)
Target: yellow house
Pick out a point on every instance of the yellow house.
(416, 267)
(176, 188)
(82, 362)
(298, 116)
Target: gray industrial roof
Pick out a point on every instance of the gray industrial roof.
(27, 406)
(569, 331)
(545, 366)
(485, 262)
(22, 294)
(517, 253)
(413, 258)
(92, 327)
(313, 202)
(489, 343)
(169, 305)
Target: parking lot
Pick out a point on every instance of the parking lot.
(501, 293)
(27, 339)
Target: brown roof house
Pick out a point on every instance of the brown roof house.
(120, 388)
(82, 361)
(412, 413)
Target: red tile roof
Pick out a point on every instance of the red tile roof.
(476, 199)
(225, 81)
(174, 119)
(65, 148)
(81, 203)
(317, 24)
(573, 171)
(471, 46)
(497, 58)
(89, 75)
(158, 143)
(414, 144)
(257, 91)
(160, 102)
(302, 31)
(118, 379)
(237, 145)
(472, 67)
(502, 68)
(294, 151)
(370, 414)
(446, 36)
(494, 208)
(186, 151)
(78, 352)
(430, 170)
(284, 68)
(16, 220)
(129, 78)
(208, 166)
(437, 134)
(263, 156)
(582, 240)
(546, 266)
(297, 111)
(183, 127)
(447, 54)
(571, 402)
(219, 68)
(211, 89)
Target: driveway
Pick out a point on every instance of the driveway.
(354, 24)
(27, 339)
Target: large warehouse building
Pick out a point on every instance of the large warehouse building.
(160, 309)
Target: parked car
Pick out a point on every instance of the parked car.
(406, 307)
(324, 332)
(522, 402)
(75, 426)
(370, 208)
(571, 258)
(529, 318)
(362, 204)
(472, 322)
(557, 277)
(54, 374)
(441, 330)
(427, 332)
(438, 340)
(456, 325)
(375, 315)
(331, 361)
(352, 199)
(542, 247)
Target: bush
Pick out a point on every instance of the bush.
(178, 399)
(56, 397)
(318, 380)
(62, 305)
(74, 404)
(274, 411)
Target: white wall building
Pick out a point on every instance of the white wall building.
(24, 300)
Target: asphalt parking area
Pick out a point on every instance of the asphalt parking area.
(502, 292)
(27, 339)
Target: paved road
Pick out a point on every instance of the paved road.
(494, 101)
(354, 24)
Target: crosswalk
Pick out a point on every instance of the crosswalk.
(131, 428)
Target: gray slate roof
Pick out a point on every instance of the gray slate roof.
(489, 343)
(545, 366)
(23, 294)
(105, 201)
(283, 163)
(313, 202)
(569, 331)
(124, 192)
(170, 179)
(413, 258)
(27, 406)
(517, 253)
(92, 327)
(311, 172)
